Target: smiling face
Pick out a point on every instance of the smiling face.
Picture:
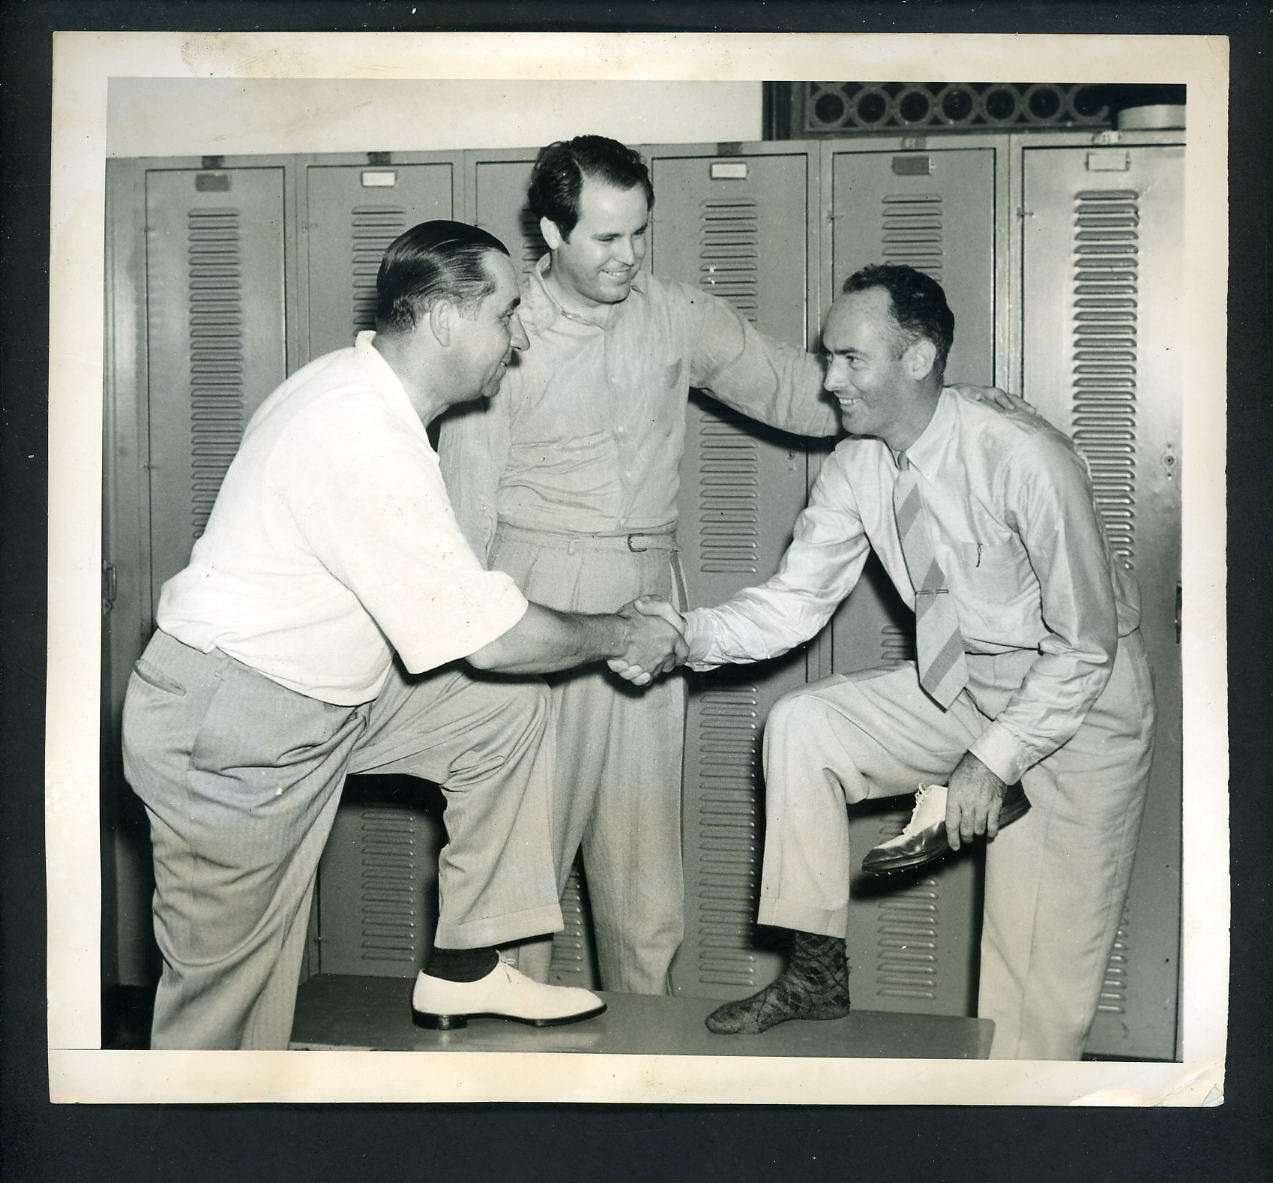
(487, 336)
(596, 264)
(884, 384)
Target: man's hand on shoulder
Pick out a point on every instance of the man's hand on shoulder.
(973, 801)
(993, 396)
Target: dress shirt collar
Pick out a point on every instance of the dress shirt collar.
(927, 453)
(539, 307)
(386, 382)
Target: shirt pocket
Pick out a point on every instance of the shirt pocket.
(990, 580)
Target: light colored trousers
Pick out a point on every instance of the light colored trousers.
(1056, 880)
(241, 780)
(617, 795)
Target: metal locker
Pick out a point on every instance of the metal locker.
(196, 339)
(736, 226)
(912, 943)
(352, 213)
(377, 880)
(498, 205)
(1101, 242)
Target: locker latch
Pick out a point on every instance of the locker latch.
(110, 587)
(1109, 160)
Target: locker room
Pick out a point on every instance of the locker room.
(1057, 236)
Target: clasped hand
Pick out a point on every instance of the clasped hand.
(655, 640)
(973, 800)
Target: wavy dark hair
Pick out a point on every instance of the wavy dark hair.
(430, 262)
(560, 169)
(919, 305)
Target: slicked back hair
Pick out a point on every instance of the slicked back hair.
(430, 262)
(557, 178)
(919, 305)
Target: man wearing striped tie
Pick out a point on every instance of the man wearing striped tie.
(1030, 673)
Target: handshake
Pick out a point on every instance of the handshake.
(654, 638)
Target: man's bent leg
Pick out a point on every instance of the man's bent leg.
(1056, 880)
(240, 779)
(483, 739)
(837, 742)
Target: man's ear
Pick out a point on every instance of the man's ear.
(551, 233)
(921, 355)
(442, 314)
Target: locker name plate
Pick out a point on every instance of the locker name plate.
(384, 179)
(729, 170)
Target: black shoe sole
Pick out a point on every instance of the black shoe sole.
(432, 1022)
(923, 858)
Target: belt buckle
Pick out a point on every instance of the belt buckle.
(636, 549)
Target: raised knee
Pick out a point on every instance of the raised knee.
(793, 709)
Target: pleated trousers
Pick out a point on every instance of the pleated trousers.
(241, 781)
(617, 795)
(1056, 880)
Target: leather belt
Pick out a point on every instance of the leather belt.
(636, 542)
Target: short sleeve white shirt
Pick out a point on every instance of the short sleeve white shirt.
(332, 543)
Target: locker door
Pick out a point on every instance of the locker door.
(215, 336)
(499, 207)
(353, 212)
(737, 227)
(1102, 233)
(499, 188)
(377, 884)
(911, 943)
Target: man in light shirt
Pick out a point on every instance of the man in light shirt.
(1045, 682)
(329, 621)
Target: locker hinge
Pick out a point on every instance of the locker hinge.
(110, 586)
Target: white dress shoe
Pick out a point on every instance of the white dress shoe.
(441, 1005)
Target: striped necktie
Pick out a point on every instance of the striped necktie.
(939, 648)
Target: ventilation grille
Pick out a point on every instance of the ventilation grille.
(897, 645)
(533, 245)
(388, 887)
(373, 228)
(907, 930)
(912, 231)
(829, 107)
(728, 495)
(728, 254)
(571, 959)
(1103, 354)
(728, 822)
(217, 361)
(1113, 996)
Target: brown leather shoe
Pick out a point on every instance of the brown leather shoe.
(923, 840)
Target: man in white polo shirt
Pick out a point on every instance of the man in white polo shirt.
(332, 548)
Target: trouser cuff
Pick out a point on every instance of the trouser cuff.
(782, 913)
(499, 930)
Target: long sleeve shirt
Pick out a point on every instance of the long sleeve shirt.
(332, 543)
(1016, 532)
(588, 428)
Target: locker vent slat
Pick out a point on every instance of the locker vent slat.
(214, 271)
(728, 252)
(533, 245)
(912, 231)
(1104, 302)
(372, 229)
(729, 496)
(1113, 996)
(725, 891)
(907, 932)
(570, 960)
(389, 879)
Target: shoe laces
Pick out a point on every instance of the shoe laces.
(930, 807)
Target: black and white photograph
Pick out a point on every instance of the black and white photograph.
(634, 570)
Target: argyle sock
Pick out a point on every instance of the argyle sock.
(815, 985)
(461, 965)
